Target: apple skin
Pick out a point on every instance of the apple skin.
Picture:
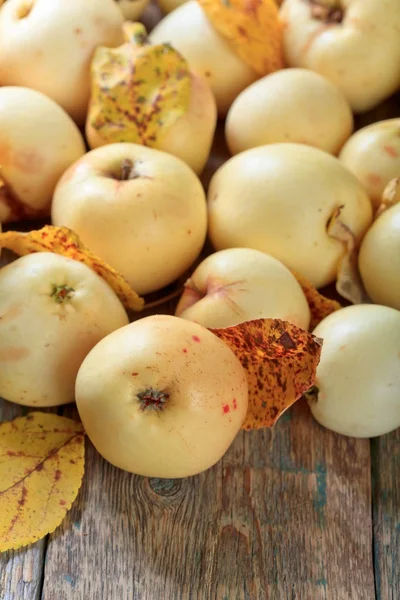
(354, 53)
(38, 142)
(190, 33)
(373, 155)
(42, 341)
(240, 284)
(190, 138)
(206, 404)
(150, 228)
(278, 199)
(50, 48)
(291, 105)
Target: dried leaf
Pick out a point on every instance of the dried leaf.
(252, 28)
(320, 306)
(41, 470)
(390, 196)
(64, 241)
(348, 282)
(138, 90)
(281, 361)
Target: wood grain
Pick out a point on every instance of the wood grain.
(386, 514)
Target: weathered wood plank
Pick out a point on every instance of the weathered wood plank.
(386, 514)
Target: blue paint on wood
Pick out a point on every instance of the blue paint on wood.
(70, 580)
(320, 497)
(77, 525)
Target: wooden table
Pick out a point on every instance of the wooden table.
(292, 513)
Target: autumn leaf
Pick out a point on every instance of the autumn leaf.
(41, 470)
(138, 90)
(281, 361)
(252, 28)
(320, 306)
(390, 196)
(64, 241)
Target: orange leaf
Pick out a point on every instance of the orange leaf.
(252, 28)
(320, 306)
(64, 241)
(138, 90)
(281, 361)
(41, 470)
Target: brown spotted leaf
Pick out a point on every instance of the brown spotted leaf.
(281, 361)
(41, 470)
(64, 241)
(320, 306)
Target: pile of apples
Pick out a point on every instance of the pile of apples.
(64, 334)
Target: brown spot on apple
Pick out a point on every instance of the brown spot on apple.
(14, 353)
(374, 179)
(196, 339)
(390, 151)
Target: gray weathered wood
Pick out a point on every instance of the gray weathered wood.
(386, 513)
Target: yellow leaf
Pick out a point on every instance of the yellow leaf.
(320, 306)
(64, 241)
(252, 28)
(41, 470)
(390, 196)
(281, 361)
(138, 90)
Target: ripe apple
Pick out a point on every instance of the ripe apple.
(240, 284)
(355, 44)
(190, 32)
(291, 105)
(143, 211)
(162, 397)
(358, 378)
(373, 155)
(379, 259)
(38, 141)
(279, 199)
(53, 310)
(132, 10)
(47, 45)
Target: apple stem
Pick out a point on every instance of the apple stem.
(152, 399)
(61, 293)
(327, 14)
(128, 170)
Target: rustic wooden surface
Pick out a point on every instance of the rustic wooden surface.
(288, 514)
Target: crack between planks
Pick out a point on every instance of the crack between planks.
(375, 550)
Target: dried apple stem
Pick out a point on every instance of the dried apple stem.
(62, 293)
(327, 13)
(152, 399)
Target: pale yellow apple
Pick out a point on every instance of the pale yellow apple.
(291, 105)
(143, 211)
(38, 142)
(132, 10)
(47, 45)
(162, 397)
(168, 6)
(373, 155)
(279, 199)
(53, 311)
(189, 31)
(358, 378)
(354, 43)
(241, 284)
(189, 138)
(379, 259)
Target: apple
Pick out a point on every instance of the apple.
(373, 155)
(53, 310)
(143, 211)
(208, 53)
(132, 10)
(279, 199)
(291, 105)
(38, 142)
(168, 6)
(47, 45)
(357, 389)
(240, 284)
(162, 397)
(354, 43)
(379, 259)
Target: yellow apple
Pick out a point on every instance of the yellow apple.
(143, 211)
(132, 10)
(38, 142)
(358, 378)
(53, 310)
(354, 43)
(279, 199)
(162, 397)
(168, 6)
(208, 53)
(47, 45)
(292, 105)
(240, 284)
(373, 155)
